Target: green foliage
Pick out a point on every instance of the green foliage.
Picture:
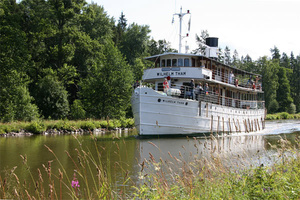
(291, 109)
(77, 111)
(15, 100)
(51, 96)
(269, 70)
(88, 125)
(283, 92)
(273, 106)
(35, 127)
(134, 42)
(282, 115)
(107, 89)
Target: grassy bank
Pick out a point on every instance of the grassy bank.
(282, 115)
(38, 127)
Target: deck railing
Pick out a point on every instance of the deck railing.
(212, 97)
(241, 81)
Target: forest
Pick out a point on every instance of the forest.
(67, 59)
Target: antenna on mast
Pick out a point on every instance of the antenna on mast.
(180, 15)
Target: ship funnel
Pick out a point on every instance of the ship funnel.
(212, 41)
(212, 49)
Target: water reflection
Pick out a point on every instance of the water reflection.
(123, 155)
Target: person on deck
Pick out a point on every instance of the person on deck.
(231, 78)
(166, 86)
(192, 85)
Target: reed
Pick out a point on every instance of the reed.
(210, 178)
(65, 183)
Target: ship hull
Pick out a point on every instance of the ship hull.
(158, 114)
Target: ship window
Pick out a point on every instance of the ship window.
(168, 62)
(163, 63)
(219, 71)
(186, 62)
(160, 87)
(180, 62)
(174, 62)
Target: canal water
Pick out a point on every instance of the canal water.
(128, 159)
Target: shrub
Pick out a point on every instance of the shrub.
(88, 125)
(103, 123)
(284, 115)
(292, 108)
(117, 123)
(130, 123)
(97, 124)
(35, 127)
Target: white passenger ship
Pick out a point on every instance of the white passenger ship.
(225, 105)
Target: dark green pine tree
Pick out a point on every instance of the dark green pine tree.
(275, 53)
(269, 70)
(295, 83)
(284, 98)
(120, 29)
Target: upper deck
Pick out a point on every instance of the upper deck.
(198, 67)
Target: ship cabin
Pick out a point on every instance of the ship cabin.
(214, 81)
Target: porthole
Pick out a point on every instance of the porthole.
(159, 100)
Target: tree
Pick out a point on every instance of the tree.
(51, 96)
(275, 53)
(284, 98)
(236, 59)
(107, 89)
(285, 61)
(248, 64)
(159, 47)
(201, 41)
(15, 100)
(295, 81)
(269, 70)
(134, 43)
(120, 30)
(227, 56)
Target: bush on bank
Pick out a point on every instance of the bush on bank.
(282, 115)
(40, 126)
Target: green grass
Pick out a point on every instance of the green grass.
(282, 115)
(39, 126)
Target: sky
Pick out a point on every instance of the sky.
(251, 27)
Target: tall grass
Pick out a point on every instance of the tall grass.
(89, 178)
(213, 178)
(220, 174)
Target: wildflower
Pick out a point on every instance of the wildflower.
(75, 184)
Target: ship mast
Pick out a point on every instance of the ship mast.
(180, 15)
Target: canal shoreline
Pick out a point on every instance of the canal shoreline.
(61, 127)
